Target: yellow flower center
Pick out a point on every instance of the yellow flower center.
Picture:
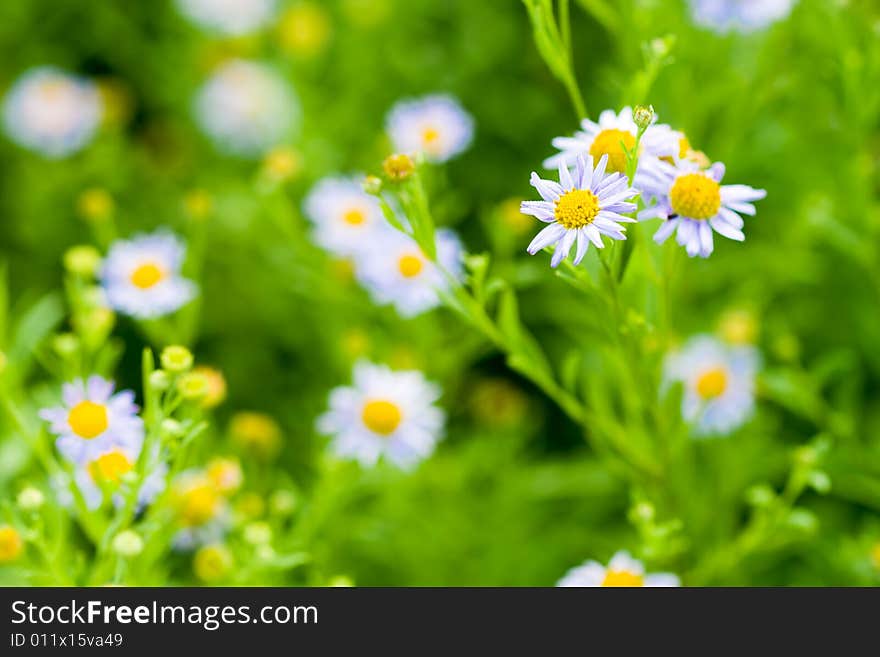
(354, 217)
(381, 416)
(622, 578)
(10, 544)
(430, 138)
(147, 275)
(88, 419)
(611, 143)
(712, 383)
(695, 195)
(577, 208)
(110, 467)
(199, 504)
(410, 265)
(52, 89)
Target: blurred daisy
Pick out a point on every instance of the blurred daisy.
(384, 413)
(141, 276)
(106, 472)
(92, 420)
(622, 570)
(436, 126)
(233, 17)
(580, 208)
(609, 136)
(395, 270)
(722, 16)
(344, 215)
(52, 112)
(246, 108)
(202, 508)
(719, 383)
(693, 203)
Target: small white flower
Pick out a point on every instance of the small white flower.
(246, 108)
(384, 413)
(345, 217)
(436, 126)
(609, 136)
(580, 209)
(92, 420)
(141, 276)
(722, 16)
(622, 570)
(694, 203)
(719, 383)
(232, 17)
(107, 471)
(52, 112)
(395, 270)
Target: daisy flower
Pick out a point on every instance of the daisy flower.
(693, 203)
(384, 413)
(609, 136)
(719, 383)
(231, 17)
(246, 108)
(622, 570)
(344, 215)
(92, 420)
(52, 112)
(106, 471)
(141, 276)
(722, 16)
(202, 508)
(395, 270)
(436, 126)
(580, 208)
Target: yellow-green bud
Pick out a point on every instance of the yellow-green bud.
(128, 543)
(171, 428)
(159, 380)
(193, 385)
(30, 499)
(65, 344)
(258, 533)
(643, 115)
(372, 185)
(398, 166)
(82, 260)
(176, 359)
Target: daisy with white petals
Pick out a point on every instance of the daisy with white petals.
(395, 270)
(693, 203)
(345, 217)
(719, 383)
(107, 471)
(52, 112)
(246, 108)
(609, 136)
(622, 570)
(584, 205)
(141, 276)
(384, 413)
(92, 420)
(233, 17)
(741, 15)
(436, 126)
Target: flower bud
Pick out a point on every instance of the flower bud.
(193, 386)
(82, 260)
(398, 167)
(643, 115)
(128, 543)
(30, 499)
(372, 185)
(176, 359)
(171, 428)
(95, 204)
(212, 563)
(258, 533)
(159, 380)
(65, 344)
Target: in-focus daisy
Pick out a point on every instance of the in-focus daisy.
(722, 16)
(719, 383)
(106, 471)
(52, 112)
(580, 208)
(233, 17)
(246, 108)
(384, 413)
(436, 126)
(622, 570)
(692, 202)
(141, 276)
(344, 215)
(609, 136)
(92, 420)
(396, 271)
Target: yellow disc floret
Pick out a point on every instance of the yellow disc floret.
(611, 143)
(695, 195)
(712, 383)
(354, 217)
(110, 467)
(381, 416)
(199, 504)
(146, 275)
(410, 265)
(622, 578)
(577, 208)
(11, 544)
(88, 419)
